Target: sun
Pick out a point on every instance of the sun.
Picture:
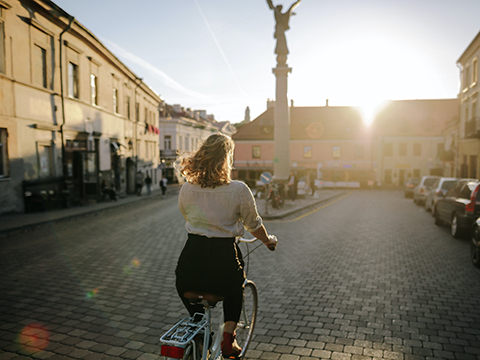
(368, 69)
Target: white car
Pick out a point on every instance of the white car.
(438, 190)
(420, 192)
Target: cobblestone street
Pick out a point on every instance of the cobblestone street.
(366, 275)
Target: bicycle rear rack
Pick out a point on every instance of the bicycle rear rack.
(184, 331)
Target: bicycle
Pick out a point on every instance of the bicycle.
(192, 338)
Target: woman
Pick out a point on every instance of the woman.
(217, 210)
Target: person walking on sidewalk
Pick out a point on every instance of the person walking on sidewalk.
(216, 210)
(139, 183)
(148, 183)
(163, 185)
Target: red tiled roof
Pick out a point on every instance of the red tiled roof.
(308, 123)
(397, 118)
(416, 117)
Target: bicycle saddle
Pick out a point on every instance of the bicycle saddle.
(196, 296)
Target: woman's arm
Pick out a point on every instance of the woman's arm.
(268, 240)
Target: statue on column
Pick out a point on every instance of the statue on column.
(282, 20)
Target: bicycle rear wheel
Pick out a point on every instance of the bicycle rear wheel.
(248, 317)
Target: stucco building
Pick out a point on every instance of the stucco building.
(73, 118)
(468, 151)
(183, 130)
(405, 140)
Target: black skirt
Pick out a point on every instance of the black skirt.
(213, 265)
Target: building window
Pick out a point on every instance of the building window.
(417, 149)
(474, 71)
(402, 149)
(45, 158)
(146, 116)
(388, 149)
(256, 152)
(94, 89)
(416, 173)
(39, 66)
(137, 112)
(4, 164)
(127, 107)
(73, 80)
(359, 151)
(115, 101)
(307, 152)
(473, 166)
(2, 46)
(388, 177)
(336, 152)
(167, 142)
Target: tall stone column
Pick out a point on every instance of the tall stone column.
(281, 165)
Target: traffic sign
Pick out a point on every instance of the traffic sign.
(266, 177)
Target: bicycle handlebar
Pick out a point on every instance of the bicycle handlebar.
(270, 247)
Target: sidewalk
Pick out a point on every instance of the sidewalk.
(290, 208)
(15, 222)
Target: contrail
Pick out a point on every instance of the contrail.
(167, 80)
(220, 49)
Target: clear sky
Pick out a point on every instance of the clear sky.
(218, 55)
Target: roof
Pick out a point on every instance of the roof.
(308, 123)
(397, 118)
(416, 117)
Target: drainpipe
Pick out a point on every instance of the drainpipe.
(135, 155)
(62, 97)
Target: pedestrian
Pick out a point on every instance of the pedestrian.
(217, 210)
(311, 181)
(163, 185)
(139, 183)
(148, 183)
(292, 186)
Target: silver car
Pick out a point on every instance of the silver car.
(420, 192)
(438, 190)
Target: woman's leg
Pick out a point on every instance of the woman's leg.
(232, 308)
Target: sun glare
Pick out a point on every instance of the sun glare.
(372, 68)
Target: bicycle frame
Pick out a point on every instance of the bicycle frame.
(180, 339)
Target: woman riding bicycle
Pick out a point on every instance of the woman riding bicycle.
(217, 210)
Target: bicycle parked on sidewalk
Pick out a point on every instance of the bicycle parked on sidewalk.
(193, 338)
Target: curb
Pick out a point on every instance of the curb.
(86, 210)
(293, 211)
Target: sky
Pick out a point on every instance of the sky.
(218, 55)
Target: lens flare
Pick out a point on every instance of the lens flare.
(135, 263)
(34, 337)
(92, 293)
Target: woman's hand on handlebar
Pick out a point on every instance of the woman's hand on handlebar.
(271, 243)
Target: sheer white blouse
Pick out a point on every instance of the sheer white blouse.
(225, 211)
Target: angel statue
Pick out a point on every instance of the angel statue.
(282, 20)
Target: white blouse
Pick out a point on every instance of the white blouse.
(224, 211)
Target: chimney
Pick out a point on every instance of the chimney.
(326, 103)
(177, 108)
(270, 103)
(291, 103)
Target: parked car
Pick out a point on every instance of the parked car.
(419, 193)
(410, 186)
(475, 243)
(438, 190)
(458, 207)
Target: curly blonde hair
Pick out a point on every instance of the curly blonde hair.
(209, 166)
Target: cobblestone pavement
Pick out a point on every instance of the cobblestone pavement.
(366, 276)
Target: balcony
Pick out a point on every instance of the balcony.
(472, 128)
(168, 154)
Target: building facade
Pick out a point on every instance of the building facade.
(468, 159)
(405, 140)
(183, 130)
(73, 118)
